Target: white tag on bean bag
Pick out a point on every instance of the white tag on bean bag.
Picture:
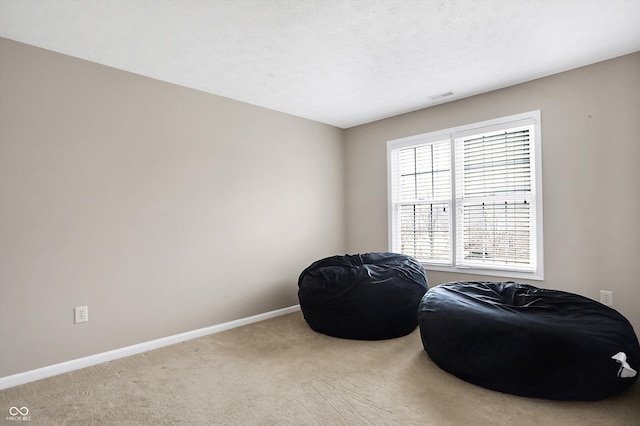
(625, 369)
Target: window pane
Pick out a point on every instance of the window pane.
(425, 194)
(424, 231)
(497, 163)
(496, 233)
(494, 198)
(425, 172)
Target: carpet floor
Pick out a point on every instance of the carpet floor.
(280, 372)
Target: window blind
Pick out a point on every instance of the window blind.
(494, 198)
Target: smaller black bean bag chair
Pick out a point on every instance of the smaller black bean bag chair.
(522, 340)
(371, 296)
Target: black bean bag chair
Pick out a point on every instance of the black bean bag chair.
(526, 341)
(371, 296)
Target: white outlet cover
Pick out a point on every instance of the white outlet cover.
(606, 297)
(81, 314)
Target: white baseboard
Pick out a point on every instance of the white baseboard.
(76, 364)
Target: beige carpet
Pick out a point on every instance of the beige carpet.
(280, 372)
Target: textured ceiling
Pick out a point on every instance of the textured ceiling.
(341, 62)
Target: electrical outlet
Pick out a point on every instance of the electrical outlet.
(606, 297)
(81, 314)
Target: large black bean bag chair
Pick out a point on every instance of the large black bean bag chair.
(371, 296)
(532, 342)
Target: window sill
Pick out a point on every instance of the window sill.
(535, 276)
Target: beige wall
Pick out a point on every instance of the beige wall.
(591, 154)
(163, 209)
(166, 209)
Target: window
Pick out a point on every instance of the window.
(469, 199)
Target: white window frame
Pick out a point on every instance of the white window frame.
(451, 134)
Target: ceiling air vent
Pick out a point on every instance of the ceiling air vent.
(440, 96)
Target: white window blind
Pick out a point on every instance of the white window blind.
(468, 199)
(494, 198)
